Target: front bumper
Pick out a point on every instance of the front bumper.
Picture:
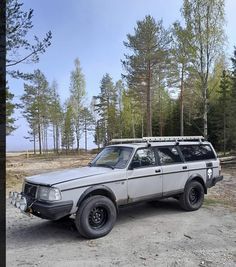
(51, 210)
(43, 209)
(212, 182)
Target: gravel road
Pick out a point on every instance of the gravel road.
(157, 234)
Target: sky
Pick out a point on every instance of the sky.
(94, 32)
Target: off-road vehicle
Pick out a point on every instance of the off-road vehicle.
(129, 171)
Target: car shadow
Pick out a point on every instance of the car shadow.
(33, 231)
(148, 209)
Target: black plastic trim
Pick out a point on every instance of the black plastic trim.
(212, 182)
(53, 210)
(94, 188)
(173, 192)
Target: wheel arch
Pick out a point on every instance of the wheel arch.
(197, 177)
(101, 190)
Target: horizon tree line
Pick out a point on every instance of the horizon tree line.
(176, 81)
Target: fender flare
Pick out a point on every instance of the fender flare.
(199, 178)
(98, 190)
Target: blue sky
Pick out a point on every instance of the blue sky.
(93, 31)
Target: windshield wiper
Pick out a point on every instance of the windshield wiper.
(105, 165)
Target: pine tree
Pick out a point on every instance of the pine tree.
(180, 65)
(233, 102)
(68, 128)
(56, 115)
(223, 111)
(149, 45)
(87, 124)
(36, 100)
(106, 109)
(10, 120)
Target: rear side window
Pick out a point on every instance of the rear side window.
(197, 152)
(168, 155)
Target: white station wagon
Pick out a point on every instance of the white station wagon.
(129, 171)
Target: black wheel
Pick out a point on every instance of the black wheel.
(95, 217)
(193, 196)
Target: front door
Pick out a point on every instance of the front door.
(144, 176)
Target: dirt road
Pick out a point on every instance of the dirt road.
(158, 234)
(144, 235)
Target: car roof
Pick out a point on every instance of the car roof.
(157, 144)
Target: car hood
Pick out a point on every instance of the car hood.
(56, 177)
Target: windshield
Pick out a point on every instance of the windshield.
(113, 157)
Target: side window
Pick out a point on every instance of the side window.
(168, 155)
(144, 157)
(197, 152)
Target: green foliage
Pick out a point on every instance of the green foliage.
(106, 107)
(77, 91)
(68, 128)
(10, 127)
(149, 46)
(204, 21)
(56, 114)
(219, 114)
(233, 102)
(36, 100)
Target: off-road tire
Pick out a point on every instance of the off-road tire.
(193, 196)
(95, 217)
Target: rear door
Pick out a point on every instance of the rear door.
(144, 176)
(174, 170)
(201, 160)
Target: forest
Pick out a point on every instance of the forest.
(175, 81)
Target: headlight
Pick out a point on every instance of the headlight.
(18, 200)
(23, 187)
(49, 193)
(23, 204)
(13, 201)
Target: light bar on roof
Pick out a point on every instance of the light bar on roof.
(158, 139)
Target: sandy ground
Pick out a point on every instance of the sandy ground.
(149, 234)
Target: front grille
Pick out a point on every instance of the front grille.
(30, 190)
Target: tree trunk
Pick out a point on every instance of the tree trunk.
(57, 139)
(85, 134)
(160, 114)
(40, 139)
(34, 142)
(54, 138)
(205, 110)
(149, 111)
(77, 138)
(182, 103)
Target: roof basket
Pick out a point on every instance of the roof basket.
(159, 139)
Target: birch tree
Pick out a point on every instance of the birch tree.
(77, 91)
(204, 21)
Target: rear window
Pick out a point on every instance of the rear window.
(197, 152)
(168, 155)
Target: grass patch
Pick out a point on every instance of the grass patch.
(214, 202)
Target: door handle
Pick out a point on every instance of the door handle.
(184, 167)
(157, 171)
